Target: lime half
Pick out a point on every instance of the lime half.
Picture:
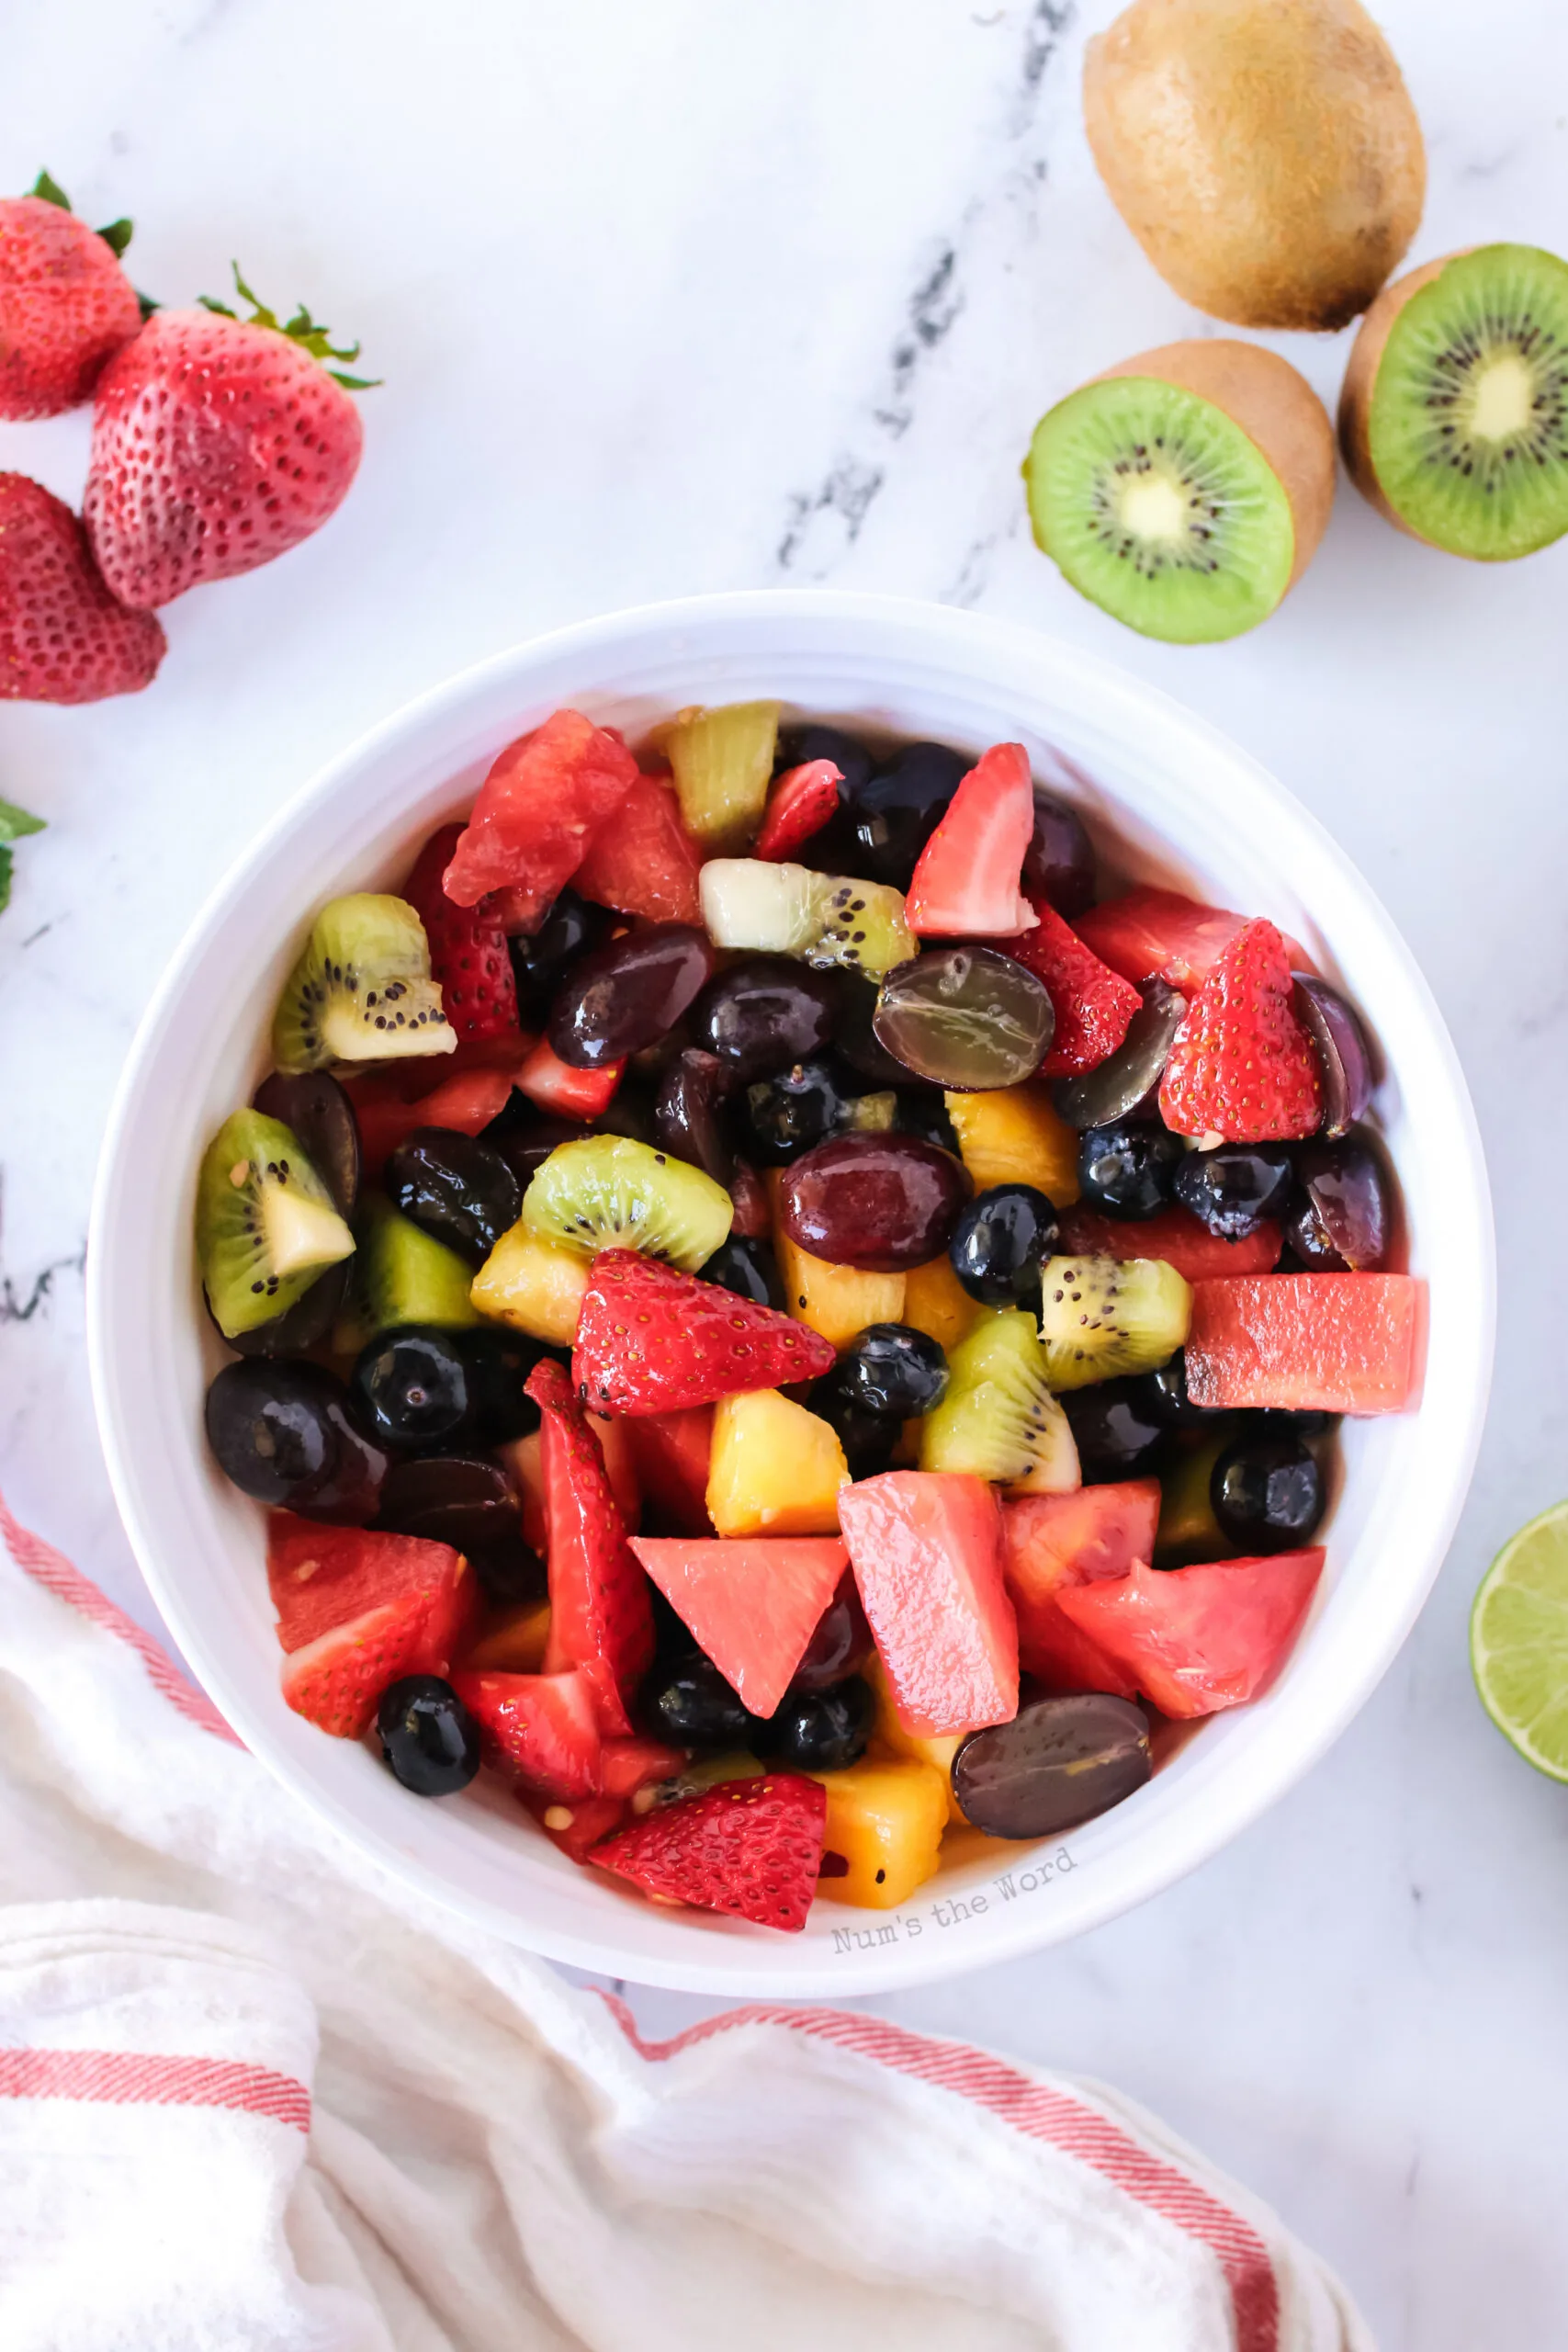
(1518, 1642)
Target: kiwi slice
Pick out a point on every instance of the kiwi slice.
(362, 990)
(827, 918)
(1185, 491)
(1102, 1316)
(997, 1418)
(612, 1193)
(1454, 415)
(402, 1274)
(723, 763)
(265, 1226)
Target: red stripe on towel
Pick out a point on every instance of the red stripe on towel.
(128, 2079)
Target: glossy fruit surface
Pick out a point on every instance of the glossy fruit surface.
(791, 1113)
(896, 811)
(1149, 932)
(894, 1370)
(1335, 1028)
(569, 928)
(1241, 1065)
(1342, 1218)
(651, 1339)
(1128, 1170)
(1233, 1189)
(1174, 1235)
(455, 1187)
(695, 1707)
(813, 740)
(1059, 864)
(1194, 1640)
(643, 861)
(753, 1604)
(927, 1553)
(1164, 1396)
(819, 1731)
(1119, 1434)
(544, 797)
(281, 1433)
(880, 1203)
(1331, 1343)
(752, 1849)
(412, 1388)
(1267, 1493)
(747, 1268)
(868, 1439)
(625, 995)
(319, 1110)
(1000, 1241)
(1060, 1760)
(775, 1468)
(766, 1011)
(966, 1018)
(1056, 1541)
(1093, 1006)
(468, 958)
(965, 883)
(357, 1607)
(840, 1643)
(690, 1119)
(302, 1325)
(1125, 1082)
(429, 1740)
(465, 1501)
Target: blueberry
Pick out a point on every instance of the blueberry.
(892, 1369)
(1232, 1189)
(691, 1705)
(1116, 1434)
(1267, 1493)
(748, 1268)
(868, 1438)
(790, 1113)
(1162, 1396)
(412, 1389)
(819, 1731)
(429, 1739)
(896, 810)
(1001, 1240)
(1126, 1170)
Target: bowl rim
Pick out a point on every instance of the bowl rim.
(1191, 1834)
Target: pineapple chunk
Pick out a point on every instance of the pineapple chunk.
(776, 1469)
(536, 1286)
(723, 763)
(890, 1736)
(512, 1644)
(837, 1301)
(887, 1821)
(936, 1302)
(1013, 1136)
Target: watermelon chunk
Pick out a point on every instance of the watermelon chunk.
(1056, 1541)
(751, 1605)
(542, 1728)
(1159, 930)
(1304, 1343)
(546, 795)
(642, 861)
(555, 1085)
(1175, 1234)
(926, 1546)
(1196, 1640)
(670, 1452)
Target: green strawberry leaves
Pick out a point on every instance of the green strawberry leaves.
(301, 329)
(14, 825)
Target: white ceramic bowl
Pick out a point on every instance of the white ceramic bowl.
(1184, 804)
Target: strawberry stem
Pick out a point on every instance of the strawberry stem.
(50, 191)
(301, 329)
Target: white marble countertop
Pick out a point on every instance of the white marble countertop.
(689, 296)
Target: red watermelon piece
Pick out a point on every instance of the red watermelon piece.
(642, 861)
(1175, 1234)
(1056, 1541)
(753, 1605)
(1196, 1640)
(1308, 1343)
(545, 797)
(554, 1085)
(927, 1552)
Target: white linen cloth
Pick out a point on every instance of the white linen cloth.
(254, 2097)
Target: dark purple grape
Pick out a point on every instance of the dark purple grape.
(1232, 1188)
(812, 740)
(896, 810)
(305, 1324)
(690, 1122)
(766, 1013)
(893, 1370)
(318, 1110)
(627, 994)
(789, 1114)
(882, 1203)
(524, 1136)
(856, 1041)
(455, 1187)
(463, 1499)
(1122, 1083)
(840, 1643)
(1267, 1493)
(1059, 864)
(1335, 1028)
(566, 931)
(819, 1731)
(498, 1362)
(1057, 1762)
(1116, 1429)
(412, 1390)
(281, 1433)
(1127, 1168)
(965, 1018)
(922, 1111)
(1342, 1215)
(429, 1740)
(1000, 1241)
(747, 1268)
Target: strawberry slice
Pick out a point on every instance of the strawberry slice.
(628, 1765)
(576, 1828)
(541, 1728)
(1241, 1065)
(750, 1847)
(653, 1341)
(468, 950)
(546, 1079)
(801, 803)
(336, 1681)
(466, 1103)
(1175, 1234)
(642, 861)
(1148, 932)
(600, 1615)
(544, 797)
(966, 883)
(356, 1608)
(1094, 1005)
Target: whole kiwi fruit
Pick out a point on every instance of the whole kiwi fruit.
(1265, 154)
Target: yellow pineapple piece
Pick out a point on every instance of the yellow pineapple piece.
(936, 1302)
(512, 1642)
(837, 1301)
(775, 1468)
(1013, 1136)
(534, 1285)
(887, 1821)
(890, 1738)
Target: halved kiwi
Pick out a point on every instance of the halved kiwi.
(612, 1193)
(828, 919)
(266, 1224)
(1185, 491)
(1454, 414)
(1100, 1316)
(361, 992)
(997, 1418)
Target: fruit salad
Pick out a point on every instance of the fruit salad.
(775, 1320)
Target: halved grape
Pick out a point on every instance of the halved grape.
(1342, 1216)
(1057, 1762)
(965, 1018)
(1336, 1030)
(1119, 1085)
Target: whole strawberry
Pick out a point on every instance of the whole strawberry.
(66, 306)
(1241, 1065)
(218, 443)
(63, 637)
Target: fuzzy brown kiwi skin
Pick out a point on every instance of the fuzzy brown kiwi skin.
(1268, 158)
(1274, 406)
(1360, 379)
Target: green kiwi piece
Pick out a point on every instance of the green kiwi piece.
(361, 992)
(1102, 1316)
(613, 1193)
(1188, 1531)
(997, 1418)
(266, 1224)
(1160, 509)
(1467, 423)
(830, 919)
(402, 1274)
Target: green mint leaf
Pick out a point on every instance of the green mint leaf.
(14, 822)
(50, 191)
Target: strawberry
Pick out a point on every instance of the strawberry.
(601, 1612)
(544, 797)
(576, 1828)
(356, 1608)
(469, 957)
(554, 1085)
(1093, 1004)
(751, 1848)
(1241, 1065)
(966, 884)
(66, 306)
(653, 1341)
(642, 861)
(542, 1728)
(218, 443)
(63, 637)
(628, 1765)
(801, 803)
